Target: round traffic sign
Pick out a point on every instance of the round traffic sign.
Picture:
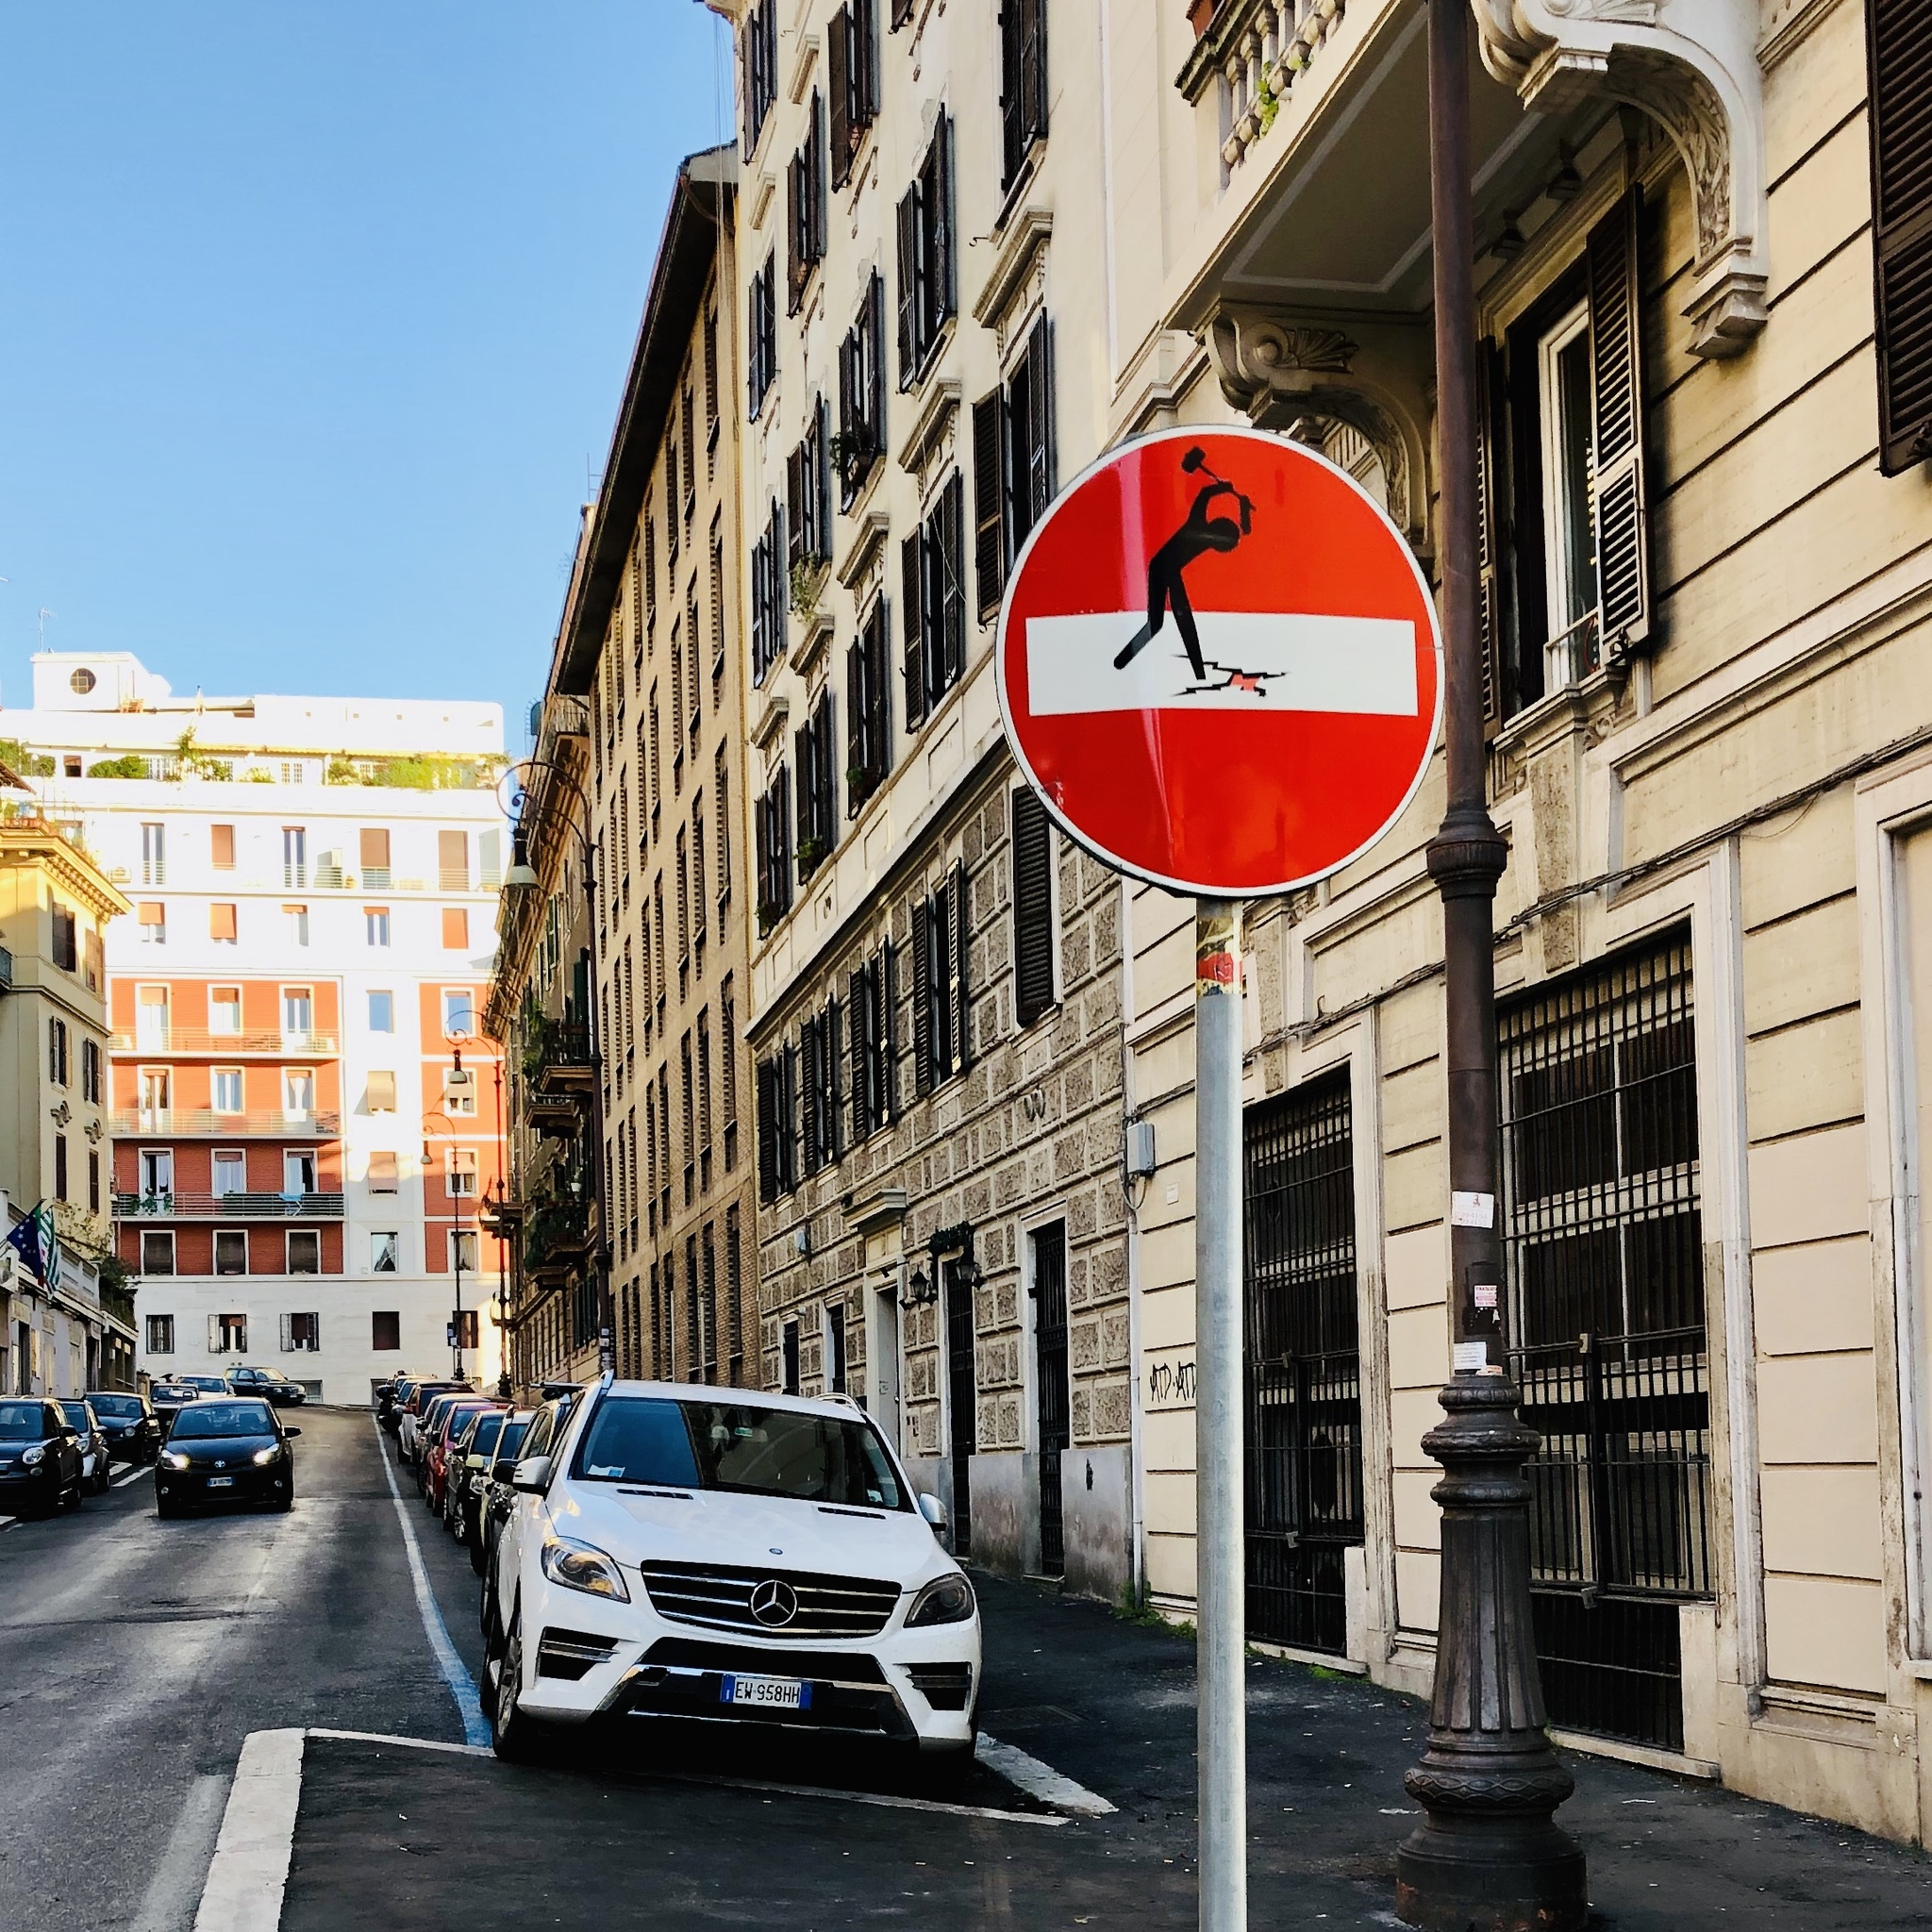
(1217, 663)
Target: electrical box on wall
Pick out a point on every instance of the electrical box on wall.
(1139, 1150)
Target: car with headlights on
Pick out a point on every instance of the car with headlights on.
(39, 1458)
(93, 1443)
(688, 1552)
(129, 1423)
(225, 1451)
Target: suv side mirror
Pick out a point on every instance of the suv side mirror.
(935, 1514)
(503, 1470)
(531, 1476)
(291, 1432)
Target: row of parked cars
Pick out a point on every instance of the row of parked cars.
(656, 1551)
(54, 1450)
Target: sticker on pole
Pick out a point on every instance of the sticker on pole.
(1217, 663)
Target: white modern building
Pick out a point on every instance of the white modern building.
(306, 1117)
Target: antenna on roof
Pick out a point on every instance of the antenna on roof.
(44, 614)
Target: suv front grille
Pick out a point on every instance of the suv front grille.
(721, 1597)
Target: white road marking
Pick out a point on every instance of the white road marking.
(462, 1686)
(891, 1799)
(169, 1902)
(412, 1743)
(1284, 662)
(1040, 1780)
(133, 1476)
(250, 1870)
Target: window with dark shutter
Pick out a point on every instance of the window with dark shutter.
(907, 271)
(812, 1054)
(861, 394)
(913, 584)
(960, 894)
(902, 12)
(817, 788)
(1022, 82)
(837, 86)
(927, 294)
(989, 538)
(1040, 458)
(948, 539)
(1033, 971)
(805, 206)
(768, 1130)
(860, 1001)
(923, 1071)
(865, 65)
(1623, 563)
(761, 348)
(1898, 37)
(868, 755)
(788, 1119)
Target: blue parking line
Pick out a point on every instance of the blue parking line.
(462, 1686)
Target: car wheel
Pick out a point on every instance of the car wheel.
(940, 1774)
(513, 1737)
(476, 1562)
(285, 1503)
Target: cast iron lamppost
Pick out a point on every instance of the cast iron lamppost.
(523, 876)
(455, 1215)
(1489, 1856)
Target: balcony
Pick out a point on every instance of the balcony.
(198, 1041)
(203, 1124)
(557, 1242)
(500, 1217)
(180, 1206)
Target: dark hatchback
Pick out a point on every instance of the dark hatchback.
(225, 1451)
(167, 1398)
(130, 1425)
(39, 1458)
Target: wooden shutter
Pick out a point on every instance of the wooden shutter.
(940, 221)
(838, 85)
(214, 1330)
(1898, 38)
(909, 286)
(902, 12)
(1012, 141)
(889, 1030)
(788, 1119)
(865, 64)
(1616, 360)
(952, 612)
(1489, 447)
(1033, 67)
(812, 1037)
(922, 996)
(858, 1072)
(961, 908)
(832, 1057)
(989, 541)
(1040, 415)
(910, 564)
(794, 239)
(1033, 988)
(857, 773)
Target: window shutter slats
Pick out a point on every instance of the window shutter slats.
(1039, 453)
(910, 565)
(908, 245)
(1488, 540)
(1033, 988)
(960, 1003)
(1617, 424)
(940, 268)
(1898, 39)
(921, 997)
(952, 612)
(888, 1029)
(989, 548)
(839, 88)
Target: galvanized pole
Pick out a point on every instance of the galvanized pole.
(1489, 1857)
(1222, 1727)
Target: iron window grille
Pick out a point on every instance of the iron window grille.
(1603, 1238)
(1304, 1377)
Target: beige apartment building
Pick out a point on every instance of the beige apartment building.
(934, 1005)
(1707, 571)
(631, 1007)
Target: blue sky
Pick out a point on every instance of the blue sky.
(313, 313)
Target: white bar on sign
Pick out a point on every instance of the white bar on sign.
(1253, 661)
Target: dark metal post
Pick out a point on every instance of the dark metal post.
(600, 1261)
(1490, 1857)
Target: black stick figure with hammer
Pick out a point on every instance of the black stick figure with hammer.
(1200, 534)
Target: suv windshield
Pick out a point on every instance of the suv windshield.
(222, 1418)
(116, 1404)
(729, 1445)
(23, 1422)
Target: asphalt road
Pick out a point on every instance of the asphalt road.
(136, 1654)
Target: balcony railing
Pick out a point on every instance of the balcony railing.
(1253, 50)
(203, 1124)
(182, 1207)
(199, 1040)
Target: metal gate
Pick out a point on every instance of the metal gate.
(1605, 1249)
(1303, 1382)
(1050, 1385)
(961, 1398)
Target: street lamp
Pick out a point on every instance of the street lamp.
(522, 877)
(456, 1074)
(1489, 1854)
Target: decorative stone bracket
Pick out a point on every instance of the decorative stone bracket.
(1290, 373)
(1692, 66)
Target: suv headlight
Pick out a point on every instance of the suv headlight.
(173, 1458)
(578, 1566)
(945, 1600)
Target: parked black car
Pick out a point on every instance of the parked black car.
(225, 1451)
(93, 1442)
(39, 1458)
(270, 1383)
(130, 1425)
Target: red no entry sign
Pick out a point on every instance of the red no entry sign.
(1219, 663)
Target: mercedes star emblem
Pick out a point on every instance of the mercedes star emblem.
(773, 1604)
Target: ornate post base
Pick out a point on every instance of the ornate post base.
(1490, 1857)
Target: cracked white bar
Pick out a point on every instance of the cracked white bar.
(1256, 661)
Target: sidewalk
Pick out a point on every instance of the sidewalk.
(443, 1837)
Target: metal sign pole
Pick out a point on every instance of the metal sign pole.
(1221, 1732)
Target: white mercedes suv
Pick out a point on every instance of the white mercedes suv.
(729, 1555)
